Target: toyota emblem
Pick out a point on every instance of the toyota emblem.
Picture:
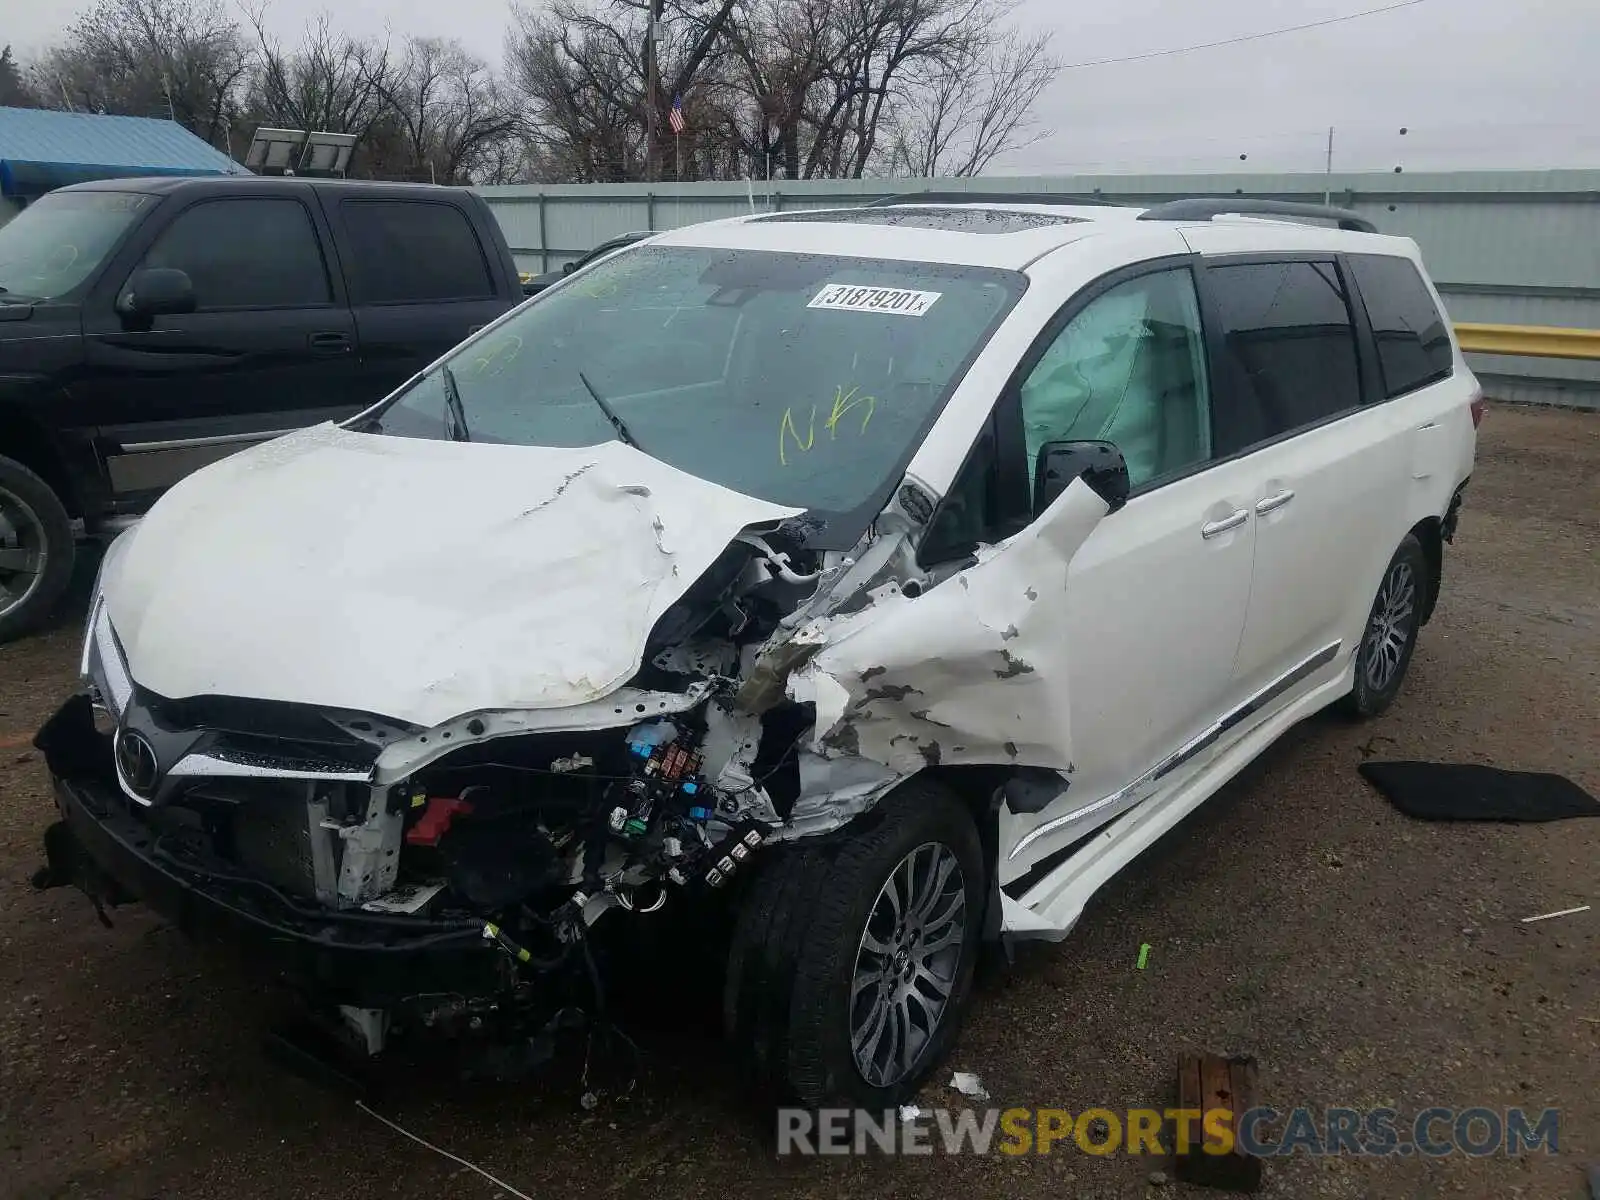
(136, 763)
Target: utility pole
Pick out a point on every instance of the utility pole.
(1327, 186)
(652, 85)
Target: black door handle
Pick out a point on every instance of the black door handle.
(335, 342)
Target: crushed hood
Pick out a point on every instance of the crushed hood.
(415, 579)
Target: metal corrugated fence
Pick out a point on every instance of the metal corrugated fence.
(1505, 247)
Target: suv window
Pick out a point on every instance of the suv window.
(1289, 340)
(411, 251)
(245, 253)
(56, 243)
(1413, 343)
(1128, 369)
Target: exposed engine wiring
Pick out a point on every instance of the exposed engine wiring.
(586, 775)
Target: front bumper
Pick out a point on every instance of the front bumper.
(344, 957)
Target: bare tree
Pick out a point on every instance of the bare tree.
(183, 59)
(583, 87)
(962, 114)
(450, 111)
(581, 67)
(794, 88)
(330, 81)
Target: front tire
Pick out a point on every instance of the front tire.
(1390, 635)
(36, 549)
(852, 959)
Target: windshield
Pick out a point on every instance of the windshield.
(51, 246)
(804, 379)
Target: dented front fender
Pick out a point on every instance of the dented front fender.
(972, 671)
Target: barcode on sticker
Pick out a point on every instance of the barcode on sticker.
(853, 297)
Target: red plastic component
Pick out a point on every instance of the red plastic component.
(676, 762)
(1478, 407)
(435, 820)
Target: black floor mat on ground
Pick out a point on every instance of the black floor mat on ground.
(1467, 792)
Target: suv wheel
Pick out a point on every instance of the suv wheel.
(36, 549)
(1390, 636)
(852, 960)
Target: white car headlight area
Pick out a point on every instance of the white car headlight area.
(103, 663)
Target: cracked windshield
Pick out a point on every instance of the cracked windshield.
(802, 379)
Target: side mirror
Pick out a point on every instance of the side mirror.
(568, 268)
(1099, 464)
(156, 291)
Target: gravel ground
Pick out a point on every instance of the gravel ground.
(1365, 959)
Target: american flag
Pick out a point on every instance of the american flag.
(675, 117)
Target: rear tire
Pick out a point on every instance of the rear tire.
(1390, 635)
(851, 961)
(37, 546)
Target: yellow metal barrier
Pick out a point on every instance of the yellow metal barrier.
(1533, 341)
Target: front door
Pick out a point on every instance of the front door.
(1155, 598)
(269, 348)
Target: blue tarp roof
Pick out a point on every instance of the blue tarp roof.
(41, 149)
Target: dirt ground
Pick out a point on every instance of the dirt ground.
(1364, 958)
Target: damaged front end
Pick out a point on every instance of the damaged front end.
(449, 872)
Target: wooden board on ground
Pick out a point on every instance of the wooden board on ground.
(1207, 1083)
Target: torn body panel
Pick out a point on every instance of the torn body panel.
(972, 671)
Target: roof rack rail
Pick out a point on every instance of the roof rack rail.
(1203, 208)
(990, 197)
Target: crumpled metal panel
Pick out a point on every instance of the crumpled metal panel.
(970, 671)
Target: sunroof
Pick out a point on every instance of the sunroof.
(953, 219)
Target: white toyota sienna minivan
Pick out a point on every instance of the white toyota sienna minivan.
(884, 579)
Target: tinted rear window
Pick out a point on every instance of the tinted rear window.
(1413, 343)
(1290, 337)
(413, 250)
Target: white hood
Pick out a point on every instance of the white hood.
(414, 579)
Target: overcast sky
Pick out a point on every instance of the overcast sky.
(1476, 83)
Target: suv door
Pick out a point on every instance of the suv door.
(1327, 476)
(419, 282)
(1155, 597)
(269, 347)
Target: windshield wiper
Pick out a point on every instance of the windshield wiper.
(455, 415)
(616, 422)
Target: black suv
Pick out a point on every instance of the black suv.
(550, 278)
(151, 326)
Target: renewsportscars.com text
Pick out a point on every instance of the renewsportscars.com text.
(1261, 1132)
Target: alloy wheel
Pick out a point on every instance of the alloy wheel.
(1392, 626)
(906, 964)
(24, 552)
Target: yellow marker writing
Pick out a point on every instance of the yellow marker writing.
(844, 402)
(505, 350)
(787, 430)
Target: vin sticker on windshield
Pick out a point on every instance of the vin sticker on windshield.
(853, 297)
